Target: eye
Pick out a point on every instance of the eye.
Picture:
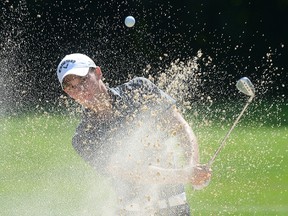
(82, 82)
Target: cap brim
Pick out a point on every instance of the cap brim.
(75, 71)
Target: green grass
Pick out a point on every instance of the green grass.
(42, 175)
(40, 172)
(250, 175)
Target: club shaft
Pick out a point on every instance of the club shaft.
(228, 133)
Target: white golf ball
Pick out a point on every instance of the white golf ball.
(129, 21)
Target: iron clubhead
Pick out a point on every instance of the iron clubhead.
(245, 86)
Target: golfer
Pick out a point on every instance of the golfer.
(135, 136)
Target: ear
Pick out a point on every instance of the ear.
(98, 73)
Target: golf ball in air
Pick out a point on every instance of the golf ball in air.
(129, 21)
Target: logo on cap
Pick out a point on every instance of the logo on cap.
(65, 64)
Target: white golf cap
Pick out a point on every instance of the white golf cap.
(76, 63)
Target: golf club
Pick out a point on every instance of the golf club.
(245, 86)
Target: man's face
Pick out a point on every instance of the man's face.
(82, 89)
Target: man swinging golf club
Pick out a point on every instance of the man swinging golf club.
(134, 135)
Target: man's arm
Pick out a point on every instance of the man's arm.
(180, 127)
(198, 176)
(192, 173)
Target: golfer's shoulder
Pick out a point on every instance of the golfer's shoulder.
(140, 82)
(137, 84)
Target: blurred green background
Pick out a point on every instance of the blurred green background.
(42, 175)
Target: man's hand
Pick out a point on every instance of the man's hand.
(201, 176)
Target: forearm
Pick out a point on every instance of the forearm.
(171, 176)
(199, 176)
(187, 137)
(189, 140)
